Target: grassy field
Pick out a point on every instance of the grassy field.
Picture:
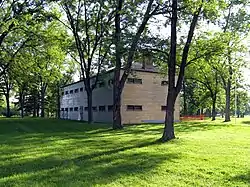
(35, 152)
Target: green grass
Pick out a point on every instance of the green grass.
(35, 152)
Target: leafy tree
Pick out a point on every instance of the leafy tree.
(191, 13)
(89, 23)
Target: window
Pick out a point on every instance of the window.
(110, 108)
(67, 92)
(101, 84)
(81, 89)
(76, 90)
(164, 83)
(102, 108)
(137, 81)
(66, 109)
(71, 109)
(71, 91)
(94, 108)
(62, 93)
(163, 108)
(62, 109)
(86, 108)
(134, 81)
(76, 109)
(134, 107)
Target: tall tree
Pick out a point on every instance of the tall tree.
(151, 8)
(89, 22)
(205, 9)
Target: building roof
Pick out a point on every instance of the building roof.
(151, 70)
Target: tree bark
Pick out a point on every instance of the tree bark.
(168, 132)
(22, 97)
(58, 112)
(117, 119)
(228, 96)
(90, 110)
(7, 97)
(43, 91)
(214, 108)
(184, 98)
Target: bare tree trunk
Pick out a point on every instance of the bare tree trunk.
(117, 121)
(43, 91)
(58, 103)
(90, 110)
(168, 133)
(22, 104)
(184, 99)
(7, 97)
(228, 95)
(213, 108)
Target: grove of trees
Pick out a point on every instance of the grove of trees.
(200, 45)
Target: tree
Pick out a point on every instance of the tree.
(89, 22)
(151, 8)
(209, 10)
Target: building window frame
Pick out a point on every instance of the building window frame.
(75, 109)
(163, 108)
(110, 108)
(134, 81)
(134, 108)
(164, 83)
(102, 108)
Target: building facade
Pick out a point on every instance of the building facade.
(143, 99)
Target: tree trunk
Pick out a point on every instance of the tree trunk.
(213, 109)
(37, 109)
(184, 99)
(58, 103)
(117, 121)
(22, 104)
(43, 102)
(168, 133)
(7, 97)
(228, 96)
(117, 90)
(90, 110)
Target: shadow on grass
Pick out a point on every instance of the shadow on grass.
(99, 167)
(243, 178)
(246, 122)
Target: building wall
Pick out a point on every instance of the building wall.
(151, 95)
(102, 96)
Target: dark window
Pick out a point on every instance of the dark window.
(164, 83)
(86, 108)
(71, 109)
(94, 108)
(66, 109)
(130, 107)
(101, 84)
(110, 108)
(102, 108)
(62, 93)
(134, 107)
(67, 92)
(62, 109)
(76, 109)
(81, 89)
(76, 90)
(138, 107)
(163, 108)
(137, 81)
(71, 91)
(134, 81)
(130, 81)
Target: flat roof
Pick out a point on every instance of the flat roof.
(111, 70)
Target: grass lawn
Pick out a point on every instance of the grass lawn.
(36, 152)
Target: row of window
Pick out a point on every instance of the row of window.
(101, 84)
(110, 108)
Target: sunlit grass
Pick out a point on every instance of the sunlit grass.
(37, 152)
